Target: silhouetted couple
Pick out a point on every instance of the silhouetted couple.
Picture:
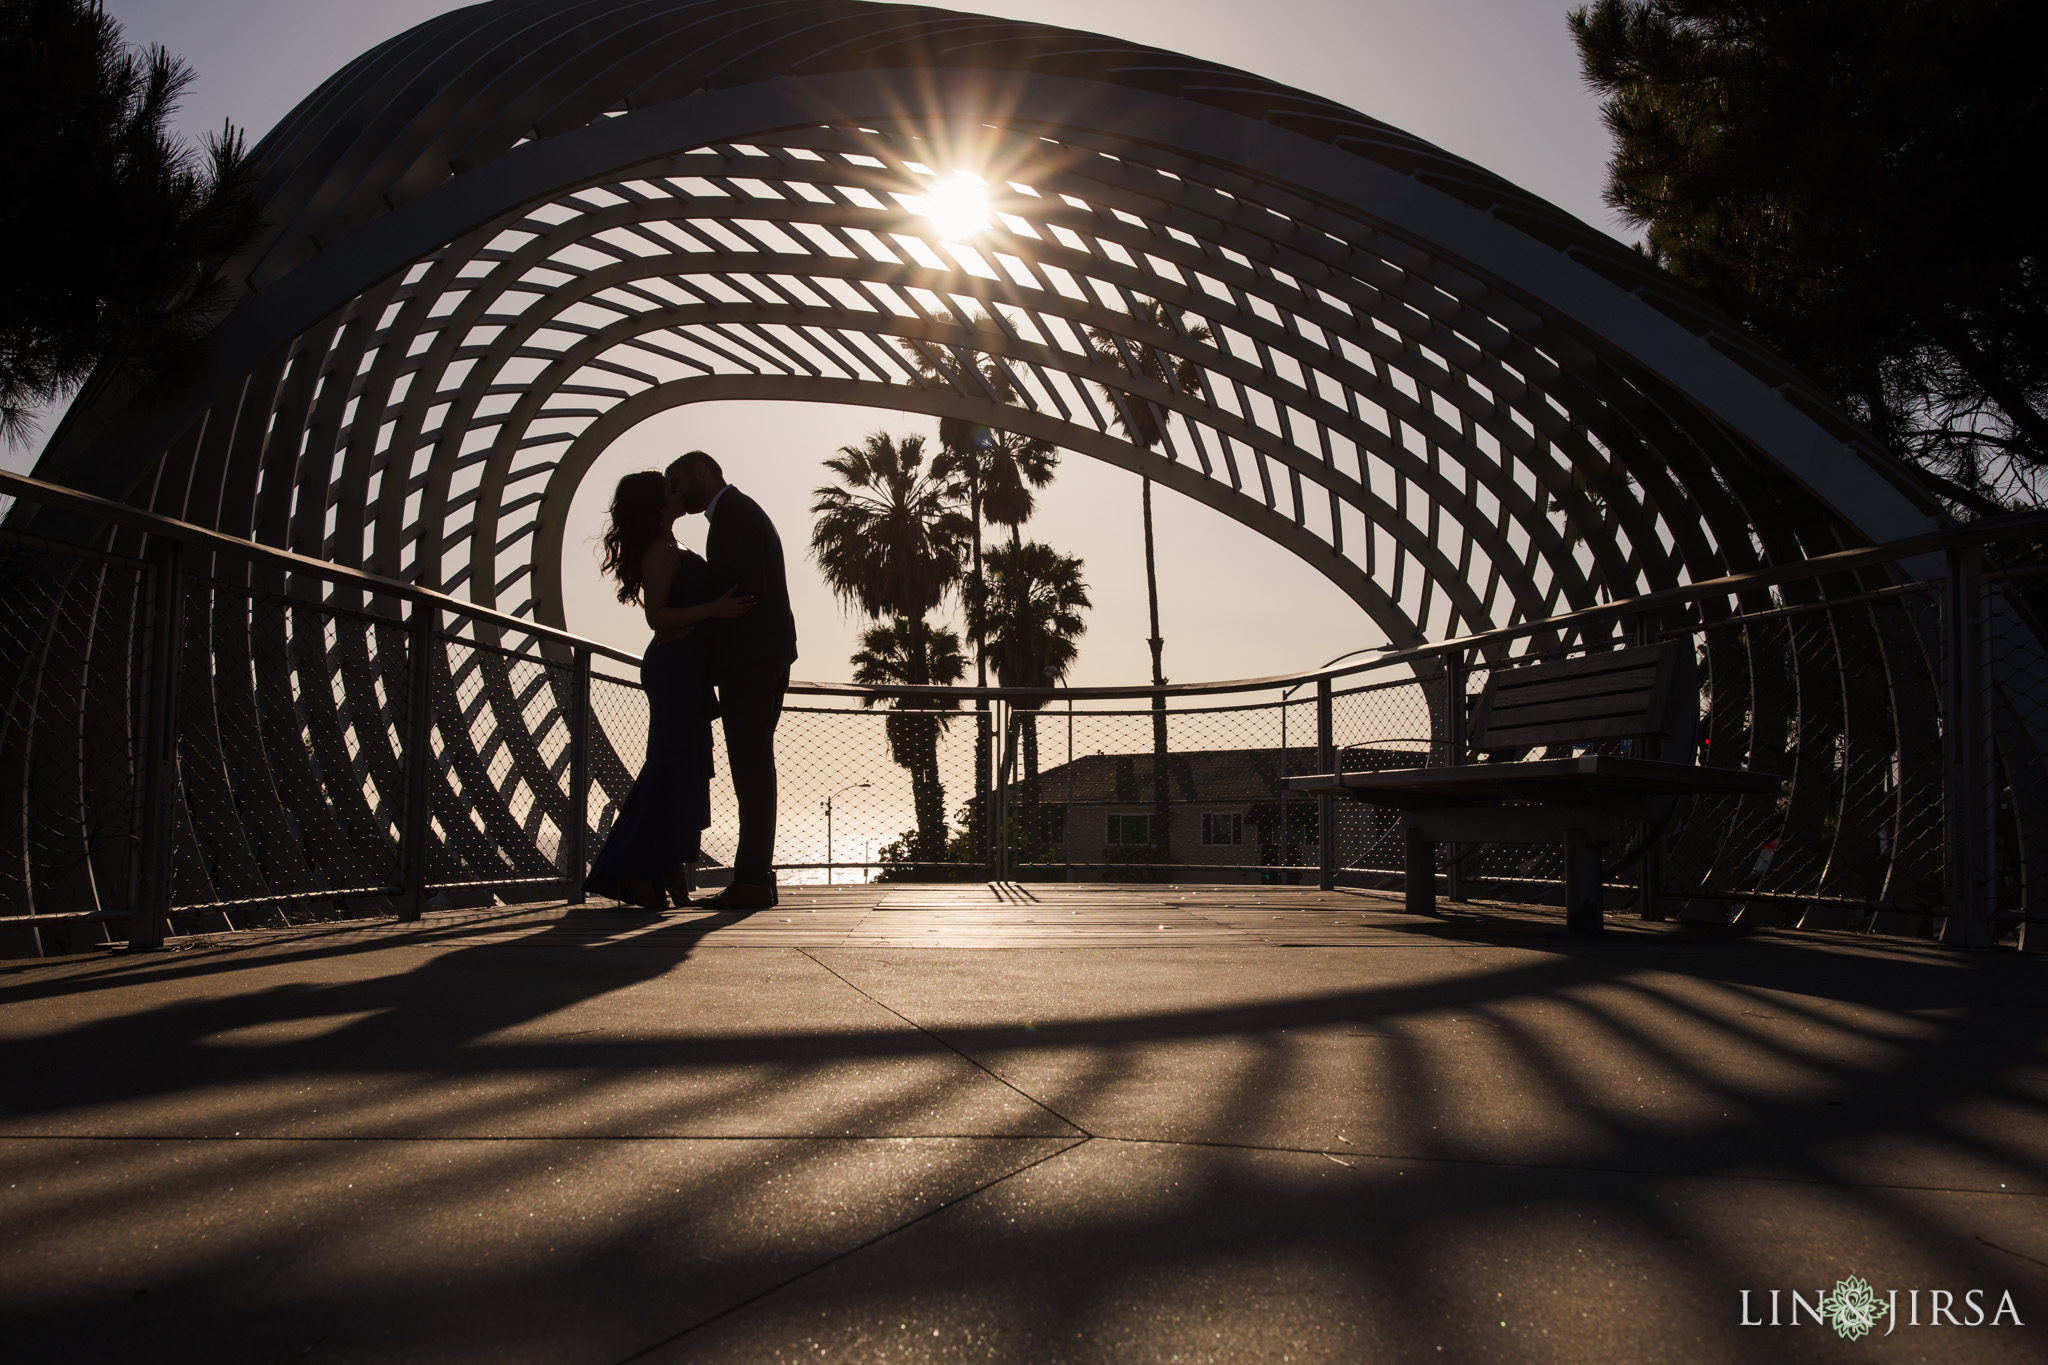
(720, 621)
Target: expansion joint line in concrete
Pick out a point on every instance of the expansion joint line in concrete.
(852, 1251)
(963, 1056)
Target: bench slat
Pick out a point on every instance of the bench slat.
(1578, 732)
(1641, 681)
(1618, 695)
(1630, 705)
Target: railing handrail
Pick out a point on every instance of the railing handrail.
(1980, 531)
(219, 542)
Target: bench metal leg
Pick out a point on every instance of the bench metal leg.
(1419, 867)
(1582, 908)
(1651, 882)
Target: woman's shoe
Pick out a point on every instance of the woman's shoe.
(642, 894)
(741, 896)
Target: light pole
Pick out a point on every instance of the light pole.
(1067, 815)
(853, 786)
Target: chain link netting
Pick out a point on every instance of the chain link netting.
(288, 800)
(73, 659)
(2017, 678)
(297, 746)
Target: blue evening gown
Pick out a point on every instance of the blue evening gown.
(662, 821)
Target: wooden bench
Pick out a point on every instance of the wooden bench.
(1648, 697)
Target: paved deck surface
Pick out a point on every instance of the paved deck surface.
(1032, 1124)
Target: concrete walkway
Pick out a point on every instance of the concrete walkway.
(1030, 1124)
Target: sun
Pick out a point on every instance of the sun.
(957, 206)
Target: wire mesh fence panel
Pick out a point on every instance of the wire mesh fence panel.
(1145, 794)
(1909, 635)
(498, 785)
(1376, 727)
(289, 780)
(2018, 677)
(900, 780)
(73, 662)
(618, 747)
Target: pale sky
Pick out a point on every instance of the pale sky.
(1494, 80)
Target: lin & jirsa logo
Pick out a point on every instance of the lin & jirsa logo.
(1854, 1309)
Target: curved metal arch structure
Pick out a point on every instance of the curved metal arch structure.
(502, 238)
(499, 237)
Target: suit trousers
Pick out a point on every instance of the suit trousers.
(750, 698)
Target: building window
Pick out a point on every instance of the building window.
(1223, 829)
(1130, 829)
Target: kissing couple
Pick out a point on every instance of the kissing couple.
(721, 621)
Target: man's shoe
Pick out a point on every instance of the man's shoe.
(742, 896)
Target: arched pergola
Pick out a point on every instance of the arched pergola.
(499, 240)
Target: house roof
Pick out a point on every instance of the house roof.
(1197, 775)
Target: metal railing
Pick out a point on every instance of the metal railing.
(219, 732)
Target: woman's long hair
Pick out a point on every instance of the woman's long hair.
(639, 518)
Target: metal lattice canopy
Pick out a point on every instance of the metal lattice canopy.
(500, 239)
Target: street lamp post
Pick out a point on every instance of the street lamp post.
(852, 786)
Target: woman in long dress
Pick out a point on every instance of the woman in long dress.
(659, 831)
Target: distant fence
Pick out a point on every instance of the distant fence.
(211, 733)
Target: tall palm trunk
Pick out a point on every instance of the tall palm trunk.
(984, 735)
(927, 793)
(915, 739)
(1162, 842)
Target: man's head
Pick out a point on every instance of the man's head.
(694, 480)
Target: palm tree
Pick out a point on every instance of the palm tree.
(889, 541)
(999, 470)
(1004, 468)
(1142, 426)
(1141, 422)
(1030, 615)
(909, 650)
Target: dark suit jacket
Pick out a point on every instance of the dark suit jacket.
(745, 552)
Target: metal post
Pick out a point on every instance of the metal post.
(576, 855)
(1418, 870)
(1000, 863)
(158, 775)
(1649, 870)
(984, 786)
(1280, 847)
(419, 722)
(1970, 804)
(1583, 911)
(1067, 816)
(1454, 757)
(1326, 803)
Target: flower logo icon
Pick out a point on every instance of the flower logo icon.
(1853, 1308)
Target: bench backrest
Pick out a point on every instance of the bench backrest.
(1624, 694)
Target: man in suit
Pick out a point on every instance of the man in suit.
(750, 659)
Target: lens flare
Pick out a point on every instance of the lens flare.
(957, 206)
